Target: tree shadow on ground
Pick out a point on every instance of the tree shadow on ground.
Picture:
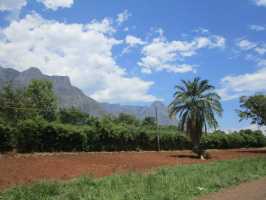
(185, 156)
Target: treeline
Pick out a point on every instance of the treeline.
(38, 135)
(30, 121)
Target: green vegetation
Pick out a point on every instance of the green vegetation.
(254, 108)
(12, 101)
(42, 99)
(30, 121)
(195, 104)
(38, 135)
(37, 100)
(181, 182)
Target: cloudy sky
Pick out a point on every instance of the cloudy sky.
(134, 52)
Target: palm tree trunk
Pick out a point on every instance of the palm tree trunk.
(195, 139)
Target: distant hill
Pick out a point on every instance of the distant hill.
(69, 95)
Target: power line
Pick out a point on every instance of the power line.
(23, 108)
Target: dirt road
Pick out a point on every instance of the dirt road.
(255, 190)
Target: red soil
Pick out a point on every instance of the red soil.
(27, 168)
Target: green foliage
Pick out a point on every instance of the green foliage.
(254, 108)
(185, 182)
(14, 104)
(75, 116)
(28, 137)
(127, 119)
(6, 138)
(32, 115)
(43, 99)
(38, 135)
(37, 99)
(241, 139)
(149, 121)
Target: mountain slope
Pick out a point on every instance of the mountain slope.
(69, 95)
(142, 111)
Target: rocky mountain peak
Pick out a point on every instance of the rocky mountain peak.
(32, 71)
(71, 96)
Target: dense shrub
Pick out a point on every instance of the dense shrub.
(241, 139)
(215, 141)
(69, 138)
(28, 137)
(41, 136)
(6, 138)
(38, 135)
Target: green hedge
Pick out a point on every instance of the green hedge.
(41, 136)
(241, 139)
(6, 138)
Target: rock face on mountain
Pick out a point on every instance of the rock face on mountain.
(142, 111)
(69, 95)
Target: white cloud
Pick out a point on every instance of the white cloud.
(134, 41)
(261, 50)
(14, 6)
(123, 17)
(104, 27)
(262, 62)
(161, 54)
(201, 30)
(244, 84)
(80, 51)
(257, 28)
(255, 50)
(11, 5)
(55, 4)
(260, 2)
(246, 44)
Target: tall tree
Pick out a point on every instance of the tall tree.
(149, 121)
(195, 105)
(254, 108)
(42, 98)
(13, 104)
(75, 116)
(127, 119)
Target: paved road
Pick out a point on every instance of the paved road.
(255, 190)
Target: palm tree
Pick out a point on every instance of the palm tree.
(195, 105)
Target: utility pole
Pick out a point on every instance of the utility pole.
(157, 129)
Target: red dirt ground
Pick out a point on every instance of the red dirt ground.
(27, 168)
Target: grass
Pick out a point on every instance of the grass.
(172, 183)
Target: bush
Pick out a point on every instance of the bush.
(6, 138)
(215, 141)
(41, 136)
(29, 135)
(241, 139)
(70, 138)
(38, 135)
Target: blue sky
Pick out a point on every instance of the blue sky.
(134, 52)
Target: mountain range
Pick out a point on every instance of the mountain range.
(71, 96)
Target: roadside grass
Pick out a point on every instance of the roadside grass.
(172, 183)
